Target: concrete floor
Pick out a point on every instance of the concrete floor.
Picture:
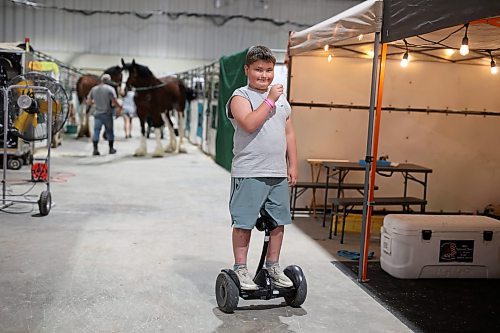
(135, 245)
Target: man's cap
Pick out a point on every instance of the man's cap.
(106, 77)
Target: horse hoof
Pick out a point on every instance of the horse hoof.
(182, 150)
(158, 154)
(139, 152)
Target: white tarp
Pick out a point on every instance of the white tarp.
(342, 32)
(364, 18)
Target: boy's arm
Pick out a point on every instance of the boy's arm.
(241, 110)
(247, 119)
(291, 151)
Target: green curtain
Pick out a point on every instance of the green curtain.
(231, 77)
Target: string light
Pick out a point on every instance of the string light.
(360, 37)
(370, 53)
(450, 52)
(493, 68)
(464, 48)
(326, 47)
(330, 58)
(405, 60)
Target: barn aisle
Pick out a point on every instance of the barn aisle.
(135, 245)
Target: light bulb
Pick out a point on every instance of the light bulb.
(404, 61)
(326, 47)
(464, 49)
(370, 53)
(360, 37)
(494, 68)
(330, 58)
(450, 52)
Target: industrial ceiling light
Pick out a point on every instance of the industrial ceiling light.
(493, 68)
(464, 48)
(405, 60)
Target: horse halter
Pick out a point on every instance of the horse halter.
(148, 87)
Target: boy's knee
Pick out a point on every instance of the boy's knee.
(278, 230)
(238, 230)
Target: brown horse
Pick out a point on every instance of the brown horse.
(155, 98)
(83, 86)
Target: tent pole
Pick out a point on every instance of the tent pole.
(368, 160)
(376, 134)
(288, 64)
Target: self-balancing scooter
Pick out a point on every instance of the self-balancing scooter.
(227, 286)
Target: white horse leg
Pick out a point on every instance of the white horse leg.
(172, 145)
(159, 149)
(82, 120)
(143, 149)
(181, 132)
(90, 125)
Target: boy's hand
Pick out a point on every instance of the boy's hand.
(292, 175)
(275, 92)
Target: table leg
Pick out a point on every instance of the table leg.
(344, 216)
(313, 200)
(326, 195)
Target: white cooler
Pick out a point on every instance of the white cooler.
(440, 246)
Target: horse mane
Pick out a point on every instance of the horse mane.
(113, 70)
(143, 70)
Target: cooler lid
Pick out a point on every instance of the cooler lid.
(412, 223)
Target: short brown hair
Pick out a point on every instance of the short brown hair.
(256, 53)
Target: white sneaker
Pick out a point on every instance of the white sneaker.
(278, 277)
(246, 281)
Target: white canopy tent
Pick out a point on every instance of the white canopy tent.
(422, 28)
(352, 32)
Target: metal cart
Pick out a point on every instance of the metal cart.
(45, 200)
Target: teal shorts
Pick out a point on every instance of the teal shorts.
(250, 195)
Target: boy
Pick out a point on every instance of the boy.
(263, 139)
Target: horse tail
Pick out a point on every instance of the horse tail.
(187, 94)
(190, 94)
(79, 89)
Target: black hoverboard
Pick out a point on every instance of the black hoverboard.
(227, 286)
